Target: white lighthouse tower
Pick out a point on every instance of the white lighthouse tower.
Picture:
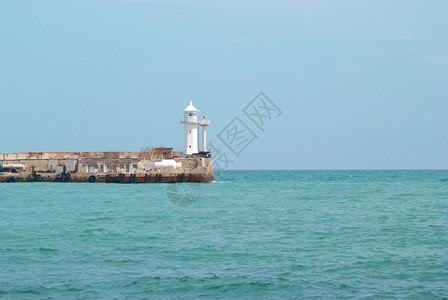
(190, 121)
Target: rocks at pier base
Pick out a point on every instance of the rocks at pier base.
(106, 178)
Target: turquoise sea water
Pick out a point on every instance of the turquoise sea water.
(251, 234)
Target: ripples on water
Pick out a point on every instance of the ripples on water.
(251, 234)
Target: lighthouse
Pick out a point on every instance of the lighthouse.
(190, 121)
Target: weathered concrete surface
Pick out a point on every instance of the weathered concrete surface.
(82, 165)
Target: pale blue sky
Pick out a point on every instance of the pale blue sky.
(361, 84)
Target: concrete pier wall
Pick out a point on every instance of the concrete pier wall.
(109, 163)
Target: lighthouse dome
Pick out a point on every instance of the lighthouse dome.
(190, 108)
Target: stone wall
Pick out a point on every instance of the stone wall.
(102, 162)
(73, 161)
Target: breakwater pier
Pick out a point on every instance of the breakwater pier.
(156, 165)
(150, 165)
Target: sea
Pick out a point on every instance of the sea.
(249, 235)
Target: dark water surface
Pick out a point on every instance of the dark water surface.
(251, 234)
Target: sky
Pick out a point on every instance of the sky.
(351, 84)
